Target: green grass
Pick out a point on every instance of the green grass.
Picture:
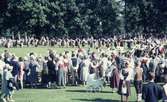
(38, 50)
(69, 94)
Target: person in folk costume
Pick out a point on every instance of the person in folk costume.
(45, 73)
(91, 44)
(119, 60)
(115, 43)
(124, 85)
(109, 69)
(129, 44)
(100, 42)
(159, 72)
(165, 69)
(16, 67)
(83, 42)
(88, 52)
(68, 57)
(66, 67)
(144, 62)
(33, 73)
(4, 83)
(115, 77)
(76, 42)
(8, 84)
(9, 43)
(80, 52)
(2, 64)
(68, 54)
(6, 56)
(74, 68)
(39, 68)
(81, 66)
(152, 64)
(164, 98)
(138, 81)
(73, 43)
(104, 62)
(131, 59)
(151, 92)
(93, 68)
(21, 71)
(161, 49)
(99, 69)
(26, 63)
(51, 54)
(51, 65)
(85, 71)
(93, 56)
(121, 43)
(61, 71)
(2, 72)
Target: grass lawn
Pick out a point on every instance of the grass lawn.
(69, 94)
(38, 50)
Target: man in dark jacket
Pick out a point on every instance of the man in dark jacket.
(51, 71)
(74, 65)
(151, 91)
(16, 67)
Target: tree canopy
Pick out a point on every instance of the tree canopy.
(76, 18)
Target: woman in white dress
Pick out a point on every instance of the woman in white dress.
(124, 85)
(85, 70)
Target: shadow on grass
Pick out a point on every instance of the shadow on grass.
(76, 91)
(86, 91)
(98, 100)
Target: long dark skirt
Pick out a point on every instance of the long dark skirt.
(128, 91)
(115, 79)
(45, 78)
(52, 76)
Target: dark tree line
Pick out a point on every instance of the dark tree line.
(75, 18)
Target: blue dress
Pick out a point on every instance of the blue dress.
(32, 76)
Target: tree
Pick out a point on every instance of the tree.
(147, 16)
(83, 18)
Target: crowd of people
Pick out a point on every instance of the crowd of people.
(31, 41)
(119, 61)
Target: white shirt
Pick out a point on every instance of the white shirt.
(2, 65)
(129, 77)
(165, 89)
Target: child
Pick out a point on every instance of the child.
(8, 84)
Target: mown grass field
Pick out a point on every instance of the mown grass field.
(21, 52)
(69, 94)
